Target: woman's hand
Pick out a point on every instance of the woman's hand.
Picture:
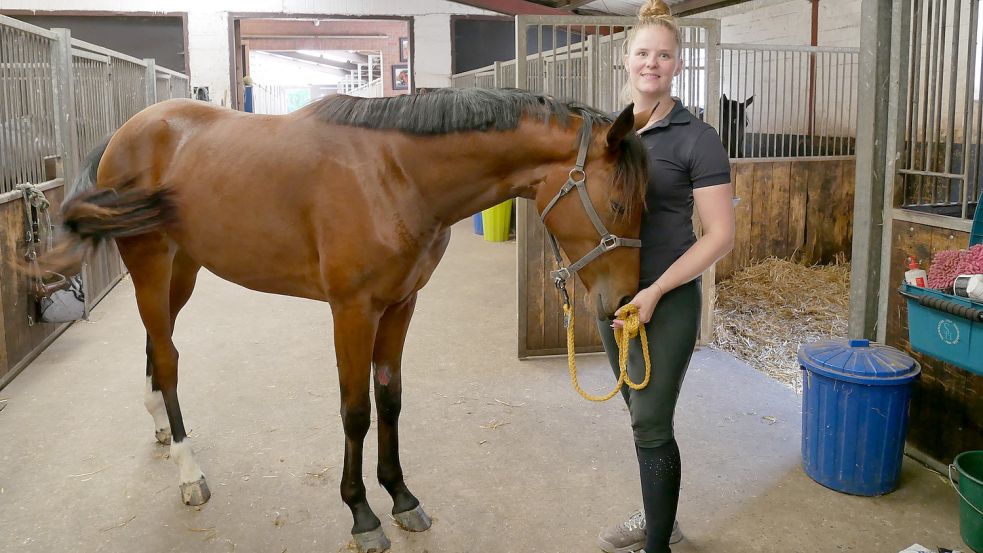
(645, 300)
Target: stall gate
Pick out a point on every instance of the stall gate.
(59, 97)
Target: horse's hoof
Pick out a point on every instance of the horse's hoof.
(163, 436)
(195, 493)
(373, 541)
(414, 520)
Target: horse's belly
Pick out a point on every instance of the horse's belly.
(250, 252)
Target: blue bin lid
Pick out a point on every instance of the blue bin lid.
(858, 361)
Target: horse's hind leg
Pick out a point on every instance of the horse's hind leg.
(354, 331)
(149, 259)
(153, 400)
(387, 361)
(184, 271)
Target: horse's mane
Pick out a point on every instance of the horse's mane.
(451, 110)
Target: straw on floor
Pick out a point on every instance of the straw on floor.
(766, 310)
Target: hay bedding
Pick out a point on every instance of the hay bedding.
(766, 310)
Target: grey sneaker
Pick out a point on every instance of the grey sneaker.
(629, 536)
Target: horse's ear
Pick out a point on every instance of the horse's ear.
(723, 98)
(748, 101)
(624, 124)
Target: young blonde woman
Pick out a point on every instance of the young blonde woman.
(687, 166)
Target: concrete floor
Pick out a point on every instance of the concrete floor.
(80, 470)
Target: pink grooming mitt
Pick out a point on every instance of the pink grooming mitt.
(944, 269)
(971, 262)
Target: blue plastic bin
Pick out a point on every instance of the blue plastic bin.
(855, 414)
(944, 326)
(476, 221)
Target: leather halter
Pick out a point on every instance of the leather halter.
(578, 179)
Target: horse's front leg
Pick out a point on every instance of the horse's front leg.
(354, 333)
(386, 361)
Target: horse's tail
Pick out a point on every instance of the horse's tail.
(106, 213)
(95, 216)
(92, 215)
(86, 179)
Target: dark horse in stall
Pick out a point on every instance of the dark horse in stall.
(348, 201)
(733, 123)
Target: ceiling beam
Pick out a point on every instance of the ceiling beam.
(563, 4)
(314, 43)
(513, 7)
(352, 57)
(693, 7)
(313, 65)
(320, 60)
(268, 27)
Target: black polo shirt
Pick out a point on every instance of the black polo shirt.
(683, 153)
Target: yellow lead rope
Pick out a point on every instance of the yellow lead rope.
(632, 328)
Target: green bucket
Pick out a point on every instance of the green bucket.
(969, 464)
(495, 221)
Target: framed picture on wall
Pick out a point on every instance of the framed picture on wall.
(404, 49)
(401, 76)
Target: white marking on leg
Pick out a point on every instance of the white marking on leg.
(154, 402)
(383, 374)
(187, 465)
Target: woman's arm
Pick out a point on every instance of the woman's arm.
(715, 206)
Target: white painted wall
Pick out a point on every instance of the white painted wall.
(208, 28)
(779, 82)
(789, 22)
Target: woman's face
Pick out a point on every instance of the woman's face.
(653, 61)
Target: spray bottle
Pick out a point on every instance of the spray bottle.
(915, 276)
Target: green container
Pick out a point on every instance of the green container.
(495, 221)
(969, 464)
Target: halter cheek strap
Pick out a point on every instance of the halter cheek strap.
(578, 179)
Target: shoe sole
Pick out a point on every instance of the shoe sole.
(609, 547)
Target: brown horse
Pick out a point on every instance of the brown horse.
(348, 201)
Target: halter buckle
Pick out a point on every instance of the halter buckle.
(560, 276)
(609, 242)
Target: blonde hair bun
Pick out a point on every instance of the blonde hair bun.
(653, 11)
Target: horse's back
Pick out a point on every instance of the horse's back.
(283, 204)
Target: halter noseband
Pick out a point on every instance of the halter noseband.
(578, 179)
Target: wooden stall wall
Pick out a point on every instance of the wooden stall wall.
(20, 341)
(946, 416)
(797, 209)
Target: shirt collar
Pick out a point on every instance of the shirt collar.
(678, 116)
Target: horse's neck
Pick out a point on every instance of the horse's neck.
(482, 169)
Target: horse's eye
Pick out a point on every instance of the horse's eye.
(617, 208)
